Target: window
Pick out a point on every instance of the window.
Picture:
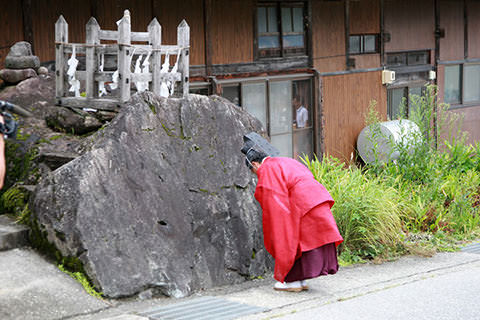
(409, 58)
(471, 88)
(462, 84)
(364, 43)
(285, 109)
(452, 84)
(280, 29)
(399, 101)
(232, 93)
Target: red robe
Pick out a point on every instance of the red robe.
(287, 191)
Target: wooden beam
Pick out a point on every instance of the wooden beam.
(382, 33)
(27, 23)
(465, 26)
(207, 17)
(255, 29)
(309, 33)
(267, 65)
(61, 37)
(319, 135)
(183, 41)
(437, 36)
(155, 30)
(347, 32)
(92, 35)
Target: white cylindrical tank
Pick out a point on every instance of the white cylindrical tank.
(379, 140)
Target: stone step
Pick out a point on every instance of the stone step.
(12, 234)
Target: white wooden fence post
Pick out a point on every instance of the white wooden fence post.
(155, 35)
(93, 31)
(61, 37)
(124, 41)
(183, 40)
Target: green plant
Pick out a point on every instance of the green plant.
(367, 210)
(82, 279)
(13, 201)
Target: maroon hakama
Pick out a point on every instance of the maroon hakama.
(314, 263)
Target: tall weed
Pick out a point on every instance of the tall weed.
(431, 191)
(367, 211)
(437, 173)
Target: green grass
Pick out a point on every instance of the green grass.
(82, 279)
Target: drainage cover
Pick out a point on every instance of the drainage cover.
(208, 308)
(472, 248)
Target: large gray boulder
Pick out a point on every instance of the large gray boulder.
(160, 200)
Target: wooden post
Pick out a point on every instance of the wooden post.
(27, 23)
(124, 41)
(183, 40)
(208, 10)
(155, 34)
(346, 8)
(61, 37)
(93, 30)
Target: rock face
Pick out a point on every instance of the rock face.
(161, 200)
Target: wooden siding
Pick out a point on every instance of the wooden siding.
(108, 12)
(365, 17)
(328, 29)
(171, 13)
(11, 27)
(473, 29)
(231, 31)
(411, 24)
(76, 13)
(441, 81)
(471, 119)
(366, 61)
(345, 101)
(451, 19)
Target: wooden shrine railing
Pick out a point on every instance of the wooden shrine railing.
(152, 75)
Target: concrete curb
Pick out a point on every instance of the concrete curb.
(12, 235)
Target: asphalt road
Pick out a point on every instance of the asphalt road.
(445, 286)
(453, 295)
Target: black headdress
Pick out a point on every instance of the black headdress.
(254, 144)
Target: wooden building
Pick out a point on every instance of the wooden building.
(328, 53)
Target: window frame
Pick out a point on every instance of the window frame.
(361, 48)
(463, 86)
(406, 95)
(281, 51)
(406, 55)
(241, 82)
(462, 80)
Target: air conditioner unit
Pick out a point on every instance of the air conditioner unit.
(388, 76)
